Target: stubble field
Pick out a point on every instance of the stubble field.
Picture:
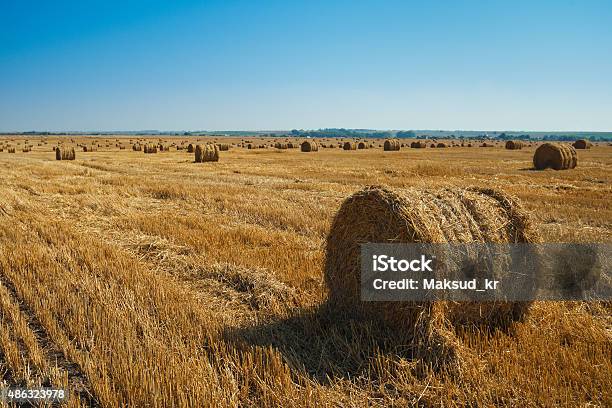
(148, 280)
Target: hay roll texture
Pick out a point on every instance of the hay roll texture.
(418, 145)
(206, 153)
(64, 153)
(349, 146)
(280, 145)
(380, 215)
(309, 146)
(514, 145)
(362, 145)
(582, 144)
(150, 148)
(223, 147)
(556, 156)
(391, 145)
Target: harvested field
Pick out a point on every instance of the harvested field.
(151, 281)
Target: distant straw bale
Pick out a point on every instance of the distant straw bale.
(582, 144)
(206, 153)
(557, 156)
(514, 144)
(64, 153)
(150, 148)
(391, 145)
(309, 146)
(349, 146)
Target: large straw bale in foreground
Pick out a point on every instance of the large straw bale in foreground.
(557, 156)
(206, 153)
(380, 215)
(64, 153)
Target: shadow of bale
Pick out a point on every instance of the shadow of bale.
(322, 344)
(329, 345)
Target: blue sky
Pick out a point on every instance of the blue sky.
(215, 65)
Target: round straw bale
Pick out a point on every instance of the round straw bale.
(309, 146)
(380, 215)
(64, 153)
(362, 145)
(391, 145)
(556, 156)
(441, 145)
(349, 146)
(206, 153)
(418, 145)
(280, 145)
(11, 149)
(136, 147)
(190, 148)
(150, 148)
(582, 144)
(514, 145)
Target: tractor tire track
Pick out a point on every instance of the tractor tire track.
(77, 380)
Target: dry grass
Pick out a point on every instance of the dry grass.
(143, 280)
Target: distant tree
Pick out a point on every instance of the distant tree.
(409, 134)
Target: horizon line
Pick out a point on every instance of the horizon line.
(145, 131)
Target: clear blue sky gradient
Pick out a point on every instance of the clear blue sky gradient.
(216, 65)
